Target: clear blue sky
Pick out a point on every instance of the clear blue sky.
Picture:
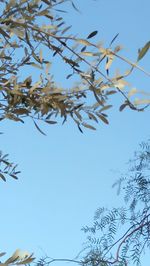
(67, 175)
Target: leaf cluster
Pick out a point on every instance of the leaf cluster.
(7, 168)
(31, 30)
(19, 257)
(121, 235)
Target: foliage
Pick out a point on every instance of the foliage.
(108, 245)
(19, 257)
(119, 236)
(31, 30)
(7, 168)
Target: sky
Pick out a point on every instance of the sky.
(67, 175)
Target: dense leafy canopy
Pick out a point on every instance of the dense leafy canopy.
(31, 30)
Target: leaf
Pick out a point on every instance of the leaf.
(27, 261)
(21, 111)
(51, 122)
(114, 39)
(78, 115)
(11, 260)
(96, 96)
(88, 126)
(6, 57)
(117, 48)
(66, 29)
(84, 42)
(18, 172)
(80, 128)
(20, 257)
(87, 53)
(36, 65)
(2, 254)
(123, 106)
(21, 254)
(111, 92)
(91, 116)
(83, 49)
(18, 32)
(35, 86)
(39, 128)
(60, 24)
(14, 176)
(4, 33)
(4, 179)
(70, 75)
(74, 6)
(92, 34)
(24, 257)
(13, 117)
(105, 108)
(60, 10)
(103, 119)
(71, 62)
(143, 51)
(14, 257)
(48, 65)
(28, 81)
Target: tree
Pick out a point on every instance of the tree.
(121, 235)
(24, 45)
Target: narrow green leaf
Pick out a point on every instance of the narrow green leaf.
(88, 126)
(103, 119)
(114, 39)
(106, 107)
(111, 92)
(91, 116)
(143, 51)
(92, 34)
(51, 122)
(123, 106)
(3, 177)
(39, 128)
(83, 49)
(66, 29)
(80, 128)
(74, 6)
